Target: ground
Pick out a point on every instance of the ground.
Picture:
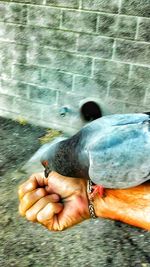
(93, 243)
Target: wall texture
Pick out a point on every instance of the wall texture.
(55, 53)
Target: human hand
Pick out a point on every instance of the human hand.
(57, 202)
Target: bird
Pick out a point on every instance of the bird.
(112, 151)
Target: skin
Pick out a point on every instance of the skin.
(60, 202)
(40, 201)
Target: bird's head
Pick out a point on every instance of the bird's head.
(48, 157)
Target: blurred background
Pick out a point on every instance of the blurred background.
(64, 63)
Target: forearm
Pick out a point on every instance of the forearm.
(131, 206)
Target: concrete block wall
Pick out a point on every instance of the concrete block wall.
(60, 52)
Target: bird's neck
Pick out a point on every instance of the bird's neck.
(67, 157)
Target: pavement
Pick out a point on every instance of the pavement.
(92, 243)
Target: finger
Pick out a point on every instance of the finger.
(40, 178)
(31, 214)
(27, 187)
(36, 180)
(46, 215)
(49, 189)
(30, 198)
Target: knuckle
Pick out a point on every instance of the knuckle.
(32, 176)
(26, 198)
(40, 192)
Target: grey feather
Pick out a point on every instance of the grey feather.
(113, 151)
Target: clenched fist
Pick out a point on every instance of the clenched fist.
(57, 202)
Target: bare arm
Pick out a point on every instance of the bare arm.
(131, 206)
(60, 202)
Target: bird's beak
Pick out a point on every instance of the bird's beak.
(47, 171)
(46, 166)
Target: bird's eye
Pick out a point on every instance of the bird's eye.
(45, 163)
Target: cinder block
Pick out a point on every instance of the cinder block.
(6, 59)
(144, 30)
(27, 108)
(35, 2)
(140, 75)
(6, 102)
(62, 61)
(7, 32)
(30, 74)
(126, 27)
(42, 94)
(64, 3)
(56, 79)
(134, 52)
(22, 89)
(115, 106)
(128, 92)
(6, 50)
(3, 9)
(118, 89)
(106, 70)
(95, 46)
(5, 69)
(20, 54)
(131, 90)
(56, 39)
(13, 12)
(21, 34)
(90, 87)
(147, 100)
(14, 88)
(136, 94)
(43, 16)
(117, 26)
(79, 21)
(131, 108)
(111, 6)
(137, 8)
(107, 24)
(11, 52)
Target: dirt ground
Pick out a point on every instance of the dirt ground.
(23, 244)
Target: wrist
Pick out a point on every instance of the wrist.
(104, 207)
(108, 206)
(90, 199)
(83, 199)
(98, 206)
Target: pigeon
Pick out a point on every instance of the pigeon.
(112, 151)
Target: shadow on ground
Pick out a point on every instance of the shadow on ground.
(93, 243)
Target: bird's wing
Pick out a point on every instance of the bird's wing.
(117, 119)
(98, 127)
(119, 156)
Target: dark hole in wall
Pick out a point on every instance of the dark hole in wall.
(90, 111)
(148, 113)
